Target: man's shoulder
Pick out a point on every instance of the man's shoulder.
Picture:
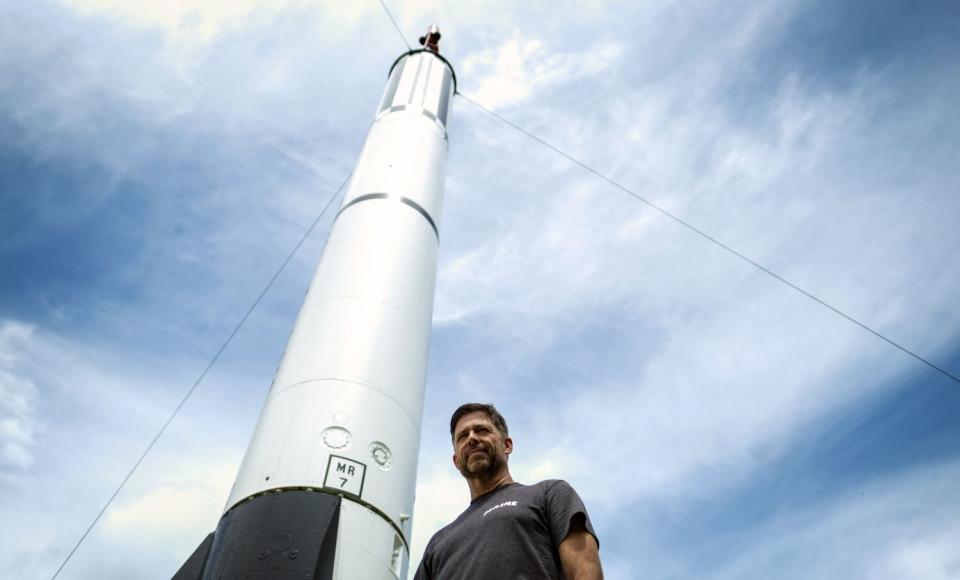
(550, 485)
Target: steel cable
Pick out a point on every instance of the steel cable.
(203, 374)
(714, 240)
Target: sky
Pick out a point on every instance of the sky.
(159, 160)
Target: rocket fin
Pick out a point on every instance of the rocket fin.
(281, 535)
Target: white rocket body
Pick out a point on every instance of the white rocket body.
(344, 411)
(350, 386)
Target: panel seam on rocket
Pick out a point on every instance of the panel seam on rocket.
(286, 388)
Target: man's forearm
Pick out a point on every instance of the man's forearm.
(585, 571)
(580, 557)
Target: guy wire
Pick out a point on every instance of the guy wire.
(714, 240)
(203, 374)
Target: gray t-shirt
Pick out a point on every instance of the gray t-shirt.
(510, 533)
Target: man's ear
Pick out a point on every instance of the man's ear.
(455, 464)
(508, 445)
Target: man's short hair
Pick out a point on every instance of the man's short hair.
(489, 410)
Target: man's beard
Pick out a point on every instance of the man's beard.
(482, 466)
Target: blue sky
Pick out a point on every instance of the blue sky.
(159, 160)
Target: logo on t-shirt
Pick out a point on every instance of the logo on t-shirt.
(500, 505)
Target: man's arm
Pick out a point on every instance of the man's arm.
(579, 553)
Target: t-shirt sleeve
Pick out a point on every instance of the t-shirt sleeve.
(563, 505)
(423, 570)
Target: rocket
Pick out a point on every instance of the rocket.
(326, 487)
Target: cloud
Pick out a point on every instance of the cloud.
(176, 512)
(19, 397)
(199, 23)
(201, 20)
(903, 527)
(121, 147)
(511, 73)
(78, 414)
(17, 423)
(932, 556)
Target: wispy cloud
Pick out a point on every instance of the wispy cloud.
(902, 527)
(181, 19)
(19, 424)
(75, 415)
(514, 71)
(176, 512)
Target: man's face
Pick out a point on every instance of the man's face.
(479, 450)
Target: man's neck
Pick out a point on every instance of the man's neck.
(480, 486)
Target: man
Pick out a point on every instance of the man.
(510, 531)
